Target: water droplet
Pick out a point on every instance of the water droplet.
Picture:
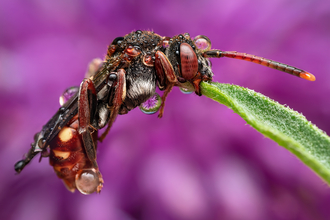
(117, 40)
(202, 42)
(61, 110)
(186, 91)
(87, 181)
(148, 61)
(152, 105)
(41, 143)
(187, 36)
(67, 94)
(166, 43)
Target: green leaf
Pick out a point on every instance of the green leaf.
(283, 125)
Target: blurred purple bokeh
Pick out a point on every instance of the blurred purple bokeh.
(200, 161)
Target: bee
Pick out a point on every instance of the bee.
(134, 66)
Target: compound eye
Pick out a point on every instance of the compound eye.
(189, 61)
(87, 181)
(117, 40)
(202, 42)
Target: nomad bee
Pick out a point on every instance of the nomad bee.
(134, 66)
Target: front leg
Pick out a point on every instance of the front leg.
(166, 77)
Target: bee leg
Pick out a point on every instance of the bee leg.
(166, 77)
(117, 101)
(19, 166)
(87, 103)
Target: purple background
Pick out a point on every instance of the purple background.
(200, 161)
